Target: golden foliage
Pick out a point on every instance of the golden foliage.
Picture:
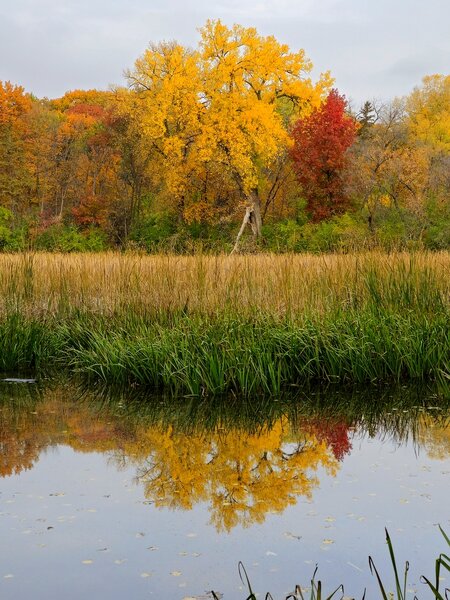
(222, 104)
(241, 475)
(429, 112)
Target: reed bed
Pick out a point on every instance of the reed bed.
(44, 283)
(213, 324)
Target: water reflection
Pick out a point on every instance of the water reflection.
(243, 459)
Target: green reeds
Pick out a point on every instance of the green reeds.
(197, 356)
(212, 325)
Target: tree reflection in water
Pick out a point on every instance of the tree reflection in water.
(244, 459)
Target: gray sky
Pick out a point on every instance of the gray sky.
(377, 49)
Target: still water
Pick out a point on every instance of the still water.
(135, 497)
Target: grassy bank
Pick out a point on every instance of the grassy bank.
(216, 324)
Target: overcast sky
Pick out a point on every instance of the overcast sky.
(377, 49)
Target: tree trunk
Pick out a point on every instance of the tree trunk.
(256, 221)
(252, 217)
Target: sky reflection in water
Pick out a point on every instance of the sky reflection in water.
(114, 498)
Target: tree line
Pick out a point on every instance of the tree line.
(203, 144)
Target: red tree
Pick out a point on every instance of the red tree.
(319, 155)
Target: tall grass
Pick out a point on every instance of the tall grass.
(213, 324)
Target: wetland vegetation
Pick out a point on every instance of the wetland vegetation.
(218, 324)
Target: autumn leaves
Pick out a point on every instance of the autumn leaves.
(217, 117)
(203, 136)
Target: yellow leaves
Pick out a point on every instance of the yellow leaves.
(199, 212)
(429, 111)
(241, 475)
(220, 105)
(385, 200)
(14, 103)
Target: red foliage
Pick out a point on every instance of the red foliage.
(92, 210)
(319, 155)
(87, 110)
(335, 434)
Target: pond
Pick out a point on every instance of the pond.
(110, 496)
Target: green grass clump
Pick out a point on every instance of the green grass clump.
(227, 353)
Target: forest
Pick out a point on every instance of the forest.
(228, 146)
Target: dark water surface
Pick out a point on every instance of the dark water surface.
(136, 497)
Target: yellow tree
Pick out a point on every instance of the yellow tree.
(253, 86)
(428, 111)
(386, 170)
(15, 177)
(428, 122)
(224, 108)
(167, 81)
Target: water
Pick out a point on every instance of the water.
(148, 498)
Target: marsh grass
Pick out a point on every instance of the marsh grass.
(213, 324)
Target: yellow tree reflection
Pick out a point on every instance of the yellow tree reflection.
(242, 476)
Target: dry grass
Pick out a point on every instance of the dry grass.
(43, 284)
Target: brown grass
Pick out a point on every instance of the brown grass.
(43, 283)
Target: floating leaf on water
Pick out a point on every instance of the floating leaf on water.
(87, 562)
(330, 519)
(204, 596)
(175, 573)
(328, 541)
(354, 566)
